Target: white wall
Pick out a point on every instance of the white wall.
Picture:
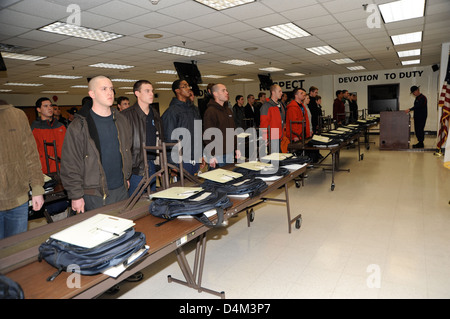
(353, 82)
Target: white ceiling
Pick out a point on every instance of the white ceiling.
(224, 35)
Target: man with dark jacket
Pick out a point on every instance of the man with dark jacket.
(182, 114)
(96, 158)
(420, 110)
(339, 108)
(146, 127)
(219, 116)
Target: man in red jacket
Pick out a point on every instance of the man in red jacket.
(271, 115)
(48, 129)
(296, 112)
(339, 108)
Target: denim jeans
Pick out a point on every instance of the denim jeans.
(136, 179)
(14, 221)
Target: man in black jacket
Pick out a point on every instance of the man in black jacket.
(420, 115)
(146, 126)
(182, 114)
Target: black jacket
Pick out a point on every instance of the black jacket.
(183, 115)
(136, 118)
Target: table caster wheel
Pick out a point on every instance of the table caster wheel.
(251, 215)
(298, 223)
(297, 184)
(332, 187)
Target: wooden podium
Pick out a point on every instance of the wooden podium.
(394, 130)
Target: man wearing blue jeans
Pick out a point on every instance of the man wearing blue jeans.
(20, 170)
(146, 128)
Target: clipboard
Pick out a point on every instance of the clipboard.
(94, 231)
(220, 175)
(177, 192)
(254, 165)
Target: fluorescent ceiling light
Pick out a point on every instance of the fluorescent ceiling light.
(322, 50)
(126, 88)
(271, 69)
(80, 32)
(356, 68)
(111, 66)
(167, 72)
(212, 76)
(2, 90)
(181, 51)
(237, 62)
(123, 80)
(295, 74)
(407, 38)
(287, 31)
(62, 77)
(55, 92)
(402, 10)
(343, 61)
(163, 89)
(223, 4)
(18, 56)
(411, 62)
(23, 84)
(243, 80)
(79, 86)
(164, 82)
(407, 53)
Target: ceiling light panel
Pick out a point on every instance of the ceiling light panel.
(237, 62)
(407, 38)
(62, 77)
(411, 62)
(123, 80)
(80, 32)
(243, 80)
(322, 50)
(23, 84)
(166, 72)
(181, 51)
(287, 31)
(111, 66)
(25, 57)
(223, 4)
(402, 10)
(295, 74)
(356, 68)
(271, 69)
(407, 53)
(212, 76)
(343, 61)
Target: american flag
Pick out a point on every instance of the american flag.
(444, 102)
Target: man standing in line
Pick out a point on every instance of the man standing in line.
(239, 112)
(123, 103)
(250, 111)
(339, 108)
(47, 128)
(271, 115)
(420, 110)
(182, 113)
(219, 116)
(296, 112)
(316, 112)
(19, 162)
(96, 157)
(146, 127)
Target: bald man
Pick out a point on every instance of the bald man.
(96, 158)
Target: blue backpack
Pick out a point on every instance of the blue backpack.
(91, 261)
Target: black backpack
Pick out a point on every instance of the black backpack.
(9, 289)
(91, 261)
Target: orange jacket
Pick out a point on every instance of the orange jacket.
(270, 115)
(49, 131)
(297, 112)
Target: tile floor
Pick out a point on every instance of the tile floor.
(382, 233)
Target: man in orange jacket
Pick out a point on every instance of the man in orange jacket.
(271, 115)
(296, 112)
(48, 129)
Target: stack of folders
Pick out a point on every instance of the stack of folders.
(98, 230)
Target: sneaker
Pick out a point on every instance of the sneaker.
(418, 145)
